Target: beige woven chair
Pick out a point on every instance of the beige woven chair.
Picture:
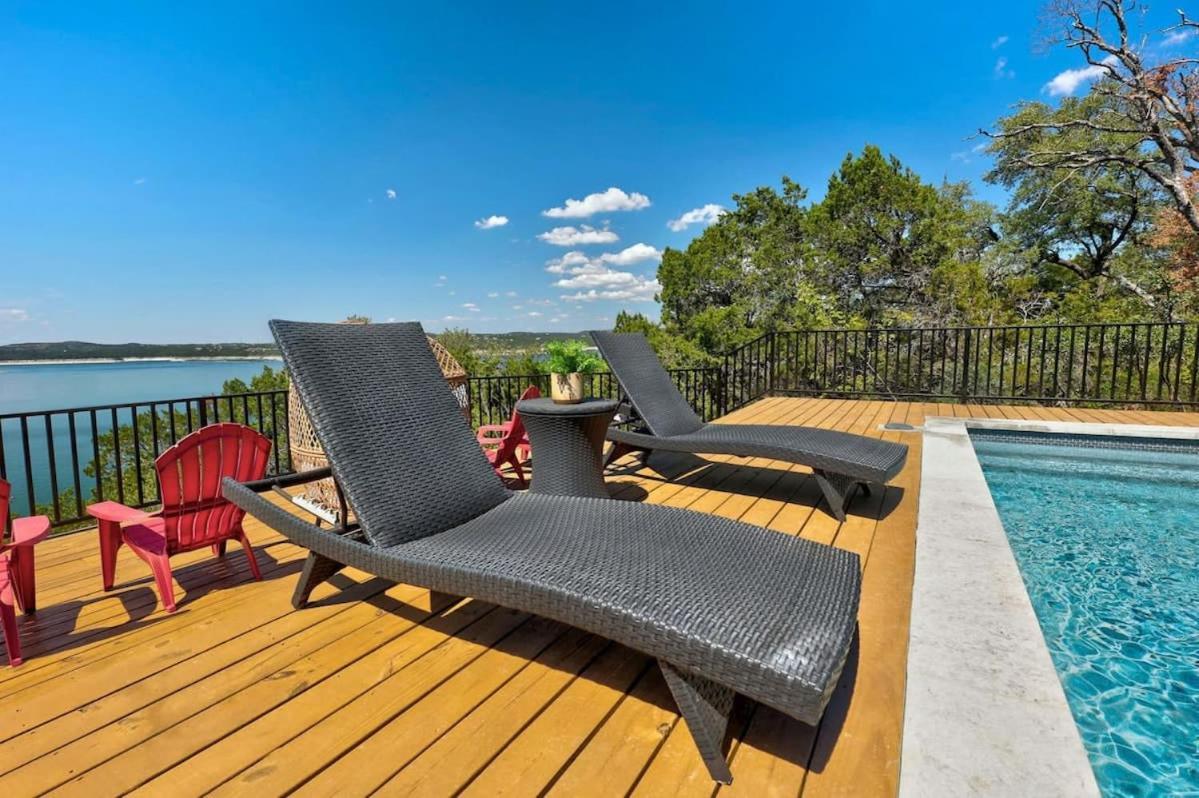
(320, 497)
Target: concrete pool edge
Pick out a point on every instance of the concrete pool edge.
(985, 712)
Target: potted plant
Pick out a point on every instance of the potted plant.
(568, 361)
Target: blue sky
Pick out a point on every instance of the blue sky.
(184, 172)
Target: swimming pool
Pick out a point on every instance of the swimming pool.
(1106, 534)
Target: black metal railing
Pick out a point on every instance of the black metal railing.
(1149, 364)
(59, 461)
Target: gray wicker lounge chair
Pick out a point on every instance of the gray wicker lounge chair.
(665, 421)
(724, 607)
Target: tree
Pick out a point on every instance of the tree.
(892, 249)
(674, 351)
(743, 274)
(1079, 224)
(1148, 120)
(263, 382)
(459, 342)
(882, 247)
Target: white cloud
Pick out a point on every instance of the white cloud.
(1177, 37)
(533, 314)
(596, 278)
(642, 291)
(510, 294)
(614, 199)
(567, 262)
(630, 255)
(391, 193)
(14, 314)
(962, 157)
(576, 262)
(578, 236)
(491, 221)
(492, 294)
(471, 306)
(1000, 70)
(999, 42)
(139, 181)
(1066, 83)
(705, 216)
(453, 318)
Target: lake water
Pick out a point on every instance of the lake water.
(57, 386)
(54, 386)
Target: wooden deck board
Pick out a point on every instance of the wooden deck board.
(389, 690)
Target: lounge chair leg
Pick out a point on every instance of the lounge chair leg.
(837, 489)
(316, 570)
(617, 451)
(705, 705)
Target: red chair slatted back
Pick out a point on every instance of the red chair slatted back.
(515, 433)
(5, 495)
(189, 476)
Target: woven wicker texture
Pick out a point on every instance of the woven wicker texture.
(769, 615)
(376, 397)
(569, 441)
(765, 614)
(655, 398)
(306, 451)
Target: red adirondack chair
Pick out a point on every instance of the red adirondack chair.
(507, 443)
(194, 514)
(17, 583)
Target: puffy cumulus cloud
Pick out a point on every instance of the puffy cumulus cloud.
(606, 277)
(14, 314)
(471, 306)
(576, 262)
(490, 222)
(705, 216)
(1064, 84)
(391, 193)
(578, 236)
(614, 199)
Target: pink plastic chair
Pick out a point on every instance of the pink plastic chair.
(511, 444)
(18, 587)
(194, 514)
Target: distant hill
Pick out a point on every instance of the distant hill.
(83, 350)
(523, 341)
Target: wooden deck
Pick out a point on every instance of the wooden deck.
(386, 689)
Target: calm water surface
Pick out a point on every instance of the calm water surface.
(1107, 541)
(55, 386)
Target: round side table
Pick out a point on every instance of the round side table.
(568, 445)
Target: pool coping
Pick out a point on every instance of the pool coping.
(985, 712)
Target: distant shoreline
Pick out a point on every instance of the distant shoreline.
(83, 361)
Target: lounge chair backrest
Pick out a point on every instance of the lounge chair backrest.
(394, 435)
(649, 387)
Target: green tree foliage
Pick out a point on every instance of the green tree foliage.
(1080, 234)
(885, 246)
(264, 381)
(882, 248)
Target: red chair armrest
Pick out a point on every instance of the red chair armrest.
(28, 531)
(494, 429)
(112, 511)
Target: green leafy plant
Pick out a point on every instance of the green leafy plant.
(568, 357)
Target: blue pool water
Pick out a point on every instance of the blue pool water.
(1107, 540)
